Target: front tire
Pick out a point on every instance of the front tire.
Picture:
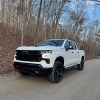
(57, 72)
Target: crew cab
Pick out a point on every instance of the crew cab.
(51, 57)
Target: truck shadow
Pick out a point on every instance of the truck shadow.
(69, 73)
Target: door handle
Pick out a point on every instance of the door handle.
(77, 52)
(72, 52)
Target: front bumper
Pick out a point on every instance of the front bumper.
(31, 68)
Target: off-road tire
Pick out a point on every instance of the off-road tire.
(81, 65)
(57, 72)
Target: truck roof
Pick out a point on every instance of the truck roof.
(57, 39)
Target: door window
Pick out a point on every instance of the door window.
(67, 44)
(73, 45)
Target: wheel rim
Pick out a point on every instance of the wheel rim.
(58, 73)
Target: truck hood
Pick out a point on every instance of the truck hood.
(38, 48)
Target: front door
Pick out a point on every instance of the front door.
(68, 55)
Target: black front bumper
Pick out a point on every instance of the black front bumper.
(31, 68)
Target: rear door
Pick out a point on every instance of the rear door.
(75, 52)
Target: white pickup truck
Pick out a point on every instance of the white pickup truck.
(50, 57)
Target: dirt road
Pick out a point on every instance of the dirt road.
(76, 85)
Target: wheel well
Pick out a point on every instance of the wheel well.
(61, 59)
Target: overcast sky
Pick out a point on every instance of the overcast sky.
(92, 9)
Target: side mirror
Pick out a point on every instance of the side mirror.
(68, 47)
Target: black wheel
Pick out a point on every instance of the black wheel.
(23, 73)
(81, 65)
(57, 72)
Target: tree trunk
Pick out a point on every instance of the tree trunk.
(38, 19)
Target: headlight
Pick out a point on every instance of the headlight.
(46, 52)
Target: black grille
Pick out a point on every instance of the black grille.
(25, 55)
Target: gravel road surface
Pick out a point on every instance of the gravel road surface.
(76, 85)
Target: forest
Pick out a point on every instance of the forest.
(27, 22)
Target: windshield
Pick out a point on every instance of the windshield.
(57, 43)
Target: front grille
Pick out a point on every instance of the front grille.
(26, 55)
